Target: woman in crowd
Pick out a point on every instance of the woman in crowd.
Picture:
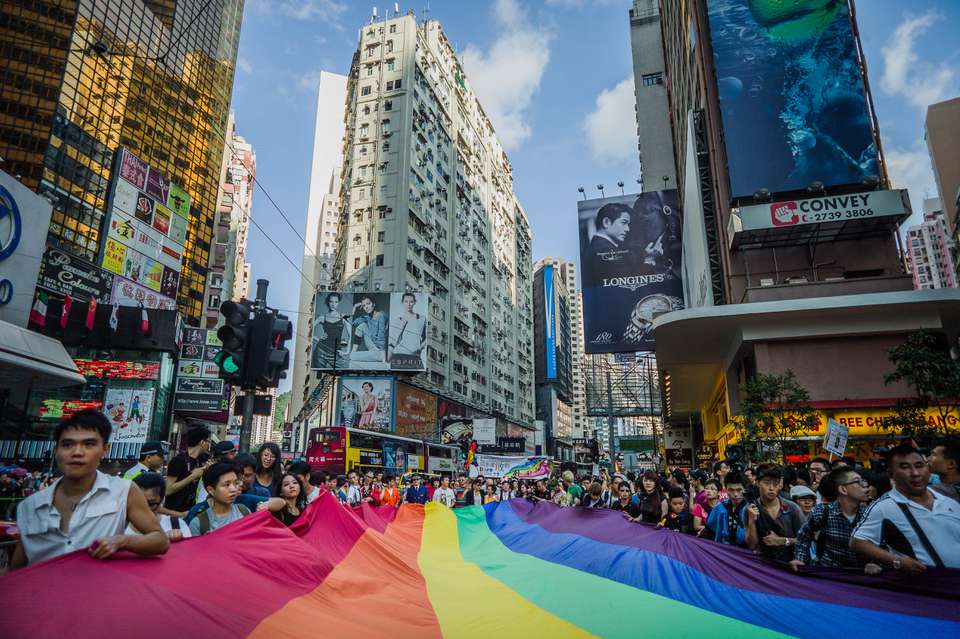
(269, 469)
(292, 493)
(653, 504)
(701, 510)
(474, 496)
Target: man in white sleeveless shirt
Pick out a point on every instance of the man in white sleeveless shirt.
(85, 508)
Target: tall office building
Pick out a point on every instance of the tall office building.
(263, 430)
(657, 163)
(228, 276)
(790, 255)
(553, 356)
(323, 220)
(81, 78)
(427, 204)
(930, 249)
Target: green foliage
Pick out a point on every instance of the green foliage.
(774, 409)
(280, 411)
(923, 363)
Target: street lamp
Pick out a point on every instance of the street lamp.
(582, 192)
(600, 188)
(620, 184)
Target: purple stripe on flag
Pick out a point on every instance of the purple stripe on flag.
(740, 568)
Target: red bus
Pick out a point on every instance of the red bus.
(339, 450)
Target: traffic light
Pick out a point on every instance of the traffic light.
(278, 357)
(235, 336)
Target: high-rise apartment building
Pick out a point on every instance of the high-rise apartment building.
(790, 252)
(942, 130)
(263, 430)
(427, 204)
(930, 249)
(657, 163)
(228, 276)
(81, 78)
(323, 220)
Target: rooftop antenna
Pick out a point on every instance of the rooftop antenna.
(373, 15)
(396, 8)
(426, 11)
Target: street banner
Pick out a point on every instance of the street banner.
(678, 445)
(129, 411)
(369, 332)
(512, 467)
(630, 261)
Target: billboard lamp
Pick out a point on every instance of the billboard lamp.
(816, 187)
(581, 192)
(600, 188)
(761, 195)
(620, 184)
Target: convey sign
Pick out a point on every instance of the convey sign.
(834, 208)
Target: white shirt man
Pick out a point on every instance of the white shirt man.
(445, 495)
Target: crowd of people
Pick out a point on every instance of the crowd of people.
(827, 514)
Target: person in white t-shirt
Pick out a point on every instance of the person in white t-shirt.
(444, 494)
(925, 528)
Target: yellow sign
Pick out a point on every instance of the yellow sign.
(114, 254)
(865, 422)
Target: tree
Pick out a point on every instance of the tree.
(773, 408)
(925, 364)
(280, 411)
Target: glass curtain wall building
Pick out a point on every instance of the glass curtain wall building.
(80, 78)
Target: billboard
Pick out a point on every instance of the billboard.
(792, 96)
(630, 265)
(366, 403)
(198, 384)
(65, 274)
(145, 233)
(549, 322)
(369, 332)
(24, 221)
(818, 210)
(129, 411)
(416, 412)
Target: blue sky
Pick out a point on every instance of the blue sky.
(556, 78)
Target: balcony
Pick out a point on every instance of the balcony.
(827, 288)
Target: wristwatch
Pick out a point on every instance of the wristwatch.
(896, 563)
(787, 541)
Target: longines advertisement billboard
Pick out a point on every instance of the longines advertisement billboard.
(792, 96)
(630, 261)
(369, 331)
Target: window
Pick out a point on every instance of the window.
(396, 85)
(391, 65)
(369, 70)
(381, 236)
(356, 263)
(365, 91)
(388, 105)
(389, 85)
(650, 79)
(393, 28)
(214, 301)
(379, 260)
(364, 130)
(366, 109)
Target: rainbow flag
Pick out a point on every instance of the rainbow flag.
(507, 569)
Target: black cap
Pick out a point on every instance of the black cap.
(151, 448)
(224, 448)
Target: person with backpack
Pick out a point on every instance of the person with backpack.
(154, 488)
(223, 488)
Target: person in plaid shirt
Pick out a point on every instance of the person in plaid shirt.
(832, 524)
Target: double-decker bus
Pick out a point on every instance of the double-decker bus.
(338, 450)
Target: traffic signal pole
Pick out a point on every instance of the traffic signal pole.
(249, 391)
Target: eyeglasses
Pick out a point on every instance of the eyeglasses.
(863, 482)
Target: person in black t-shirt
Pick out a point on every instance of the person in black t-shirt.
(185, 471)
(625, 502)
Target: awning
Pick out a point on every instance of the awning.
(26, 355)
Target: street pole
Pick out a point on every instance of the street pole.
(610, 433)
(249, 391)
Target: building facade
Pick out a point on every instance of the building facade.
(930, 249)
(229, 272)
(941, 131)
(323, 220)
(427, 204)
(657, 163)
(769, 289)
(263, 430)
(83, 78)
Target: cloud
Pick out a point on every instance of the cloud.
(910, 169)
(244, 65)
(324, 10)
(506, 76)
(308, 82)
(611, 128)
(904, 74)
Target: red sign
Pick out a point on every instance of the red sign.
(115, 369)
(65, 408)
